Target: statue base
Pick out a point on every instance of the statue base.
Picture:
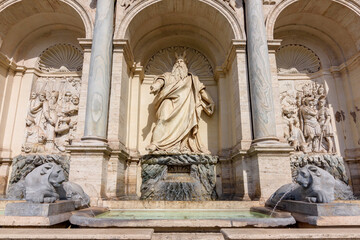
(37, 214)
(322, 214)
(178, 177)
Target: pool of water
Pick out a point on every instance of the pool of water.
(179, 214)
(2, 212)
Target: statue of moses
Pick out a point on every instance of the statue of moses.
(179, 100)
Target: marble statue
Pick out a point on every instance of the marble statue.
(47, 183)
(313, 184)
(179, 100)
(41, 183)
(307, 119)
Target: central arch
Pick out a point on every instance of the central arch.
(204, 25)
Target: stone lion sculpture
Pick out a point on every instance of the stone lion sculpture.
(46, 184)
(41, 183)
(313, 184)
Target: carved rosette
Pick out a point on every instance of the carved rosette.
(295, 58)
(163, 61)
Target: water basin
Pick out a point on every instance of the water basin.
(180, 214)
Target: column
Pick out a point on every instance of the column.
(267, 158)
(97, 106)
(90, 159)
(262, 103)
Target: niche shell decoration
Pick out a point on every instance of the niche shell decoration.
(295, 58)
(61, 58)
(163, 61)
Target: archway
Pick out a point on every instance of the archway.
(206, 30)
(28, 29)
(326, 29)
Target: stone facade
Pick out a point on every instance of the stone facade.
(279, 89)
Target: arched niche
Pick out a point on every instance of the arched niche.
(153, 27)
(327, 28)
(28, 29)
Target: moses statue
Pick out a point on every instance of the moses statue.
(179, 100)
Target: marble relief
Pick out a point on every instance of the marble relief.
(51, 120)
(308, 121)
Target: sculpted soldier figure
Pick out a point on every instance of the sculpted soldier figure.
(324, 118)
(311, 126)
(179, 101)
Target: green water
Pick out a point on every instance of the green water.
(2, 212)
(179, 214)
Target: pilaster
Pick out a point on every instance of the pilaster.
(89, 165)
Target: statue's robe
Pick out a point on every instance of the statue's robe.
(178, 107)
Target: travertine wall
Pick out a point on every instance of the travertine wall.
(216, 30)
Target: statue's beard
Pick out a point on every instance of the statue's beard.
(180, 71)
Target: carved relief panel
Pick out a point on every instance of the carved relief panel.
(307, 117)
(51, 120)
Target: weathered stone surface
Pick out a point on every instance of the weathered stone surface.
(37, 209)
(37, 221)
(316, 209)
(58, 233)
(23, 164)
(334, 164)
(196, 184)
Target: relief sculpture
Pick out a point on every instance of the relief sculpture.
(307, 119)
(52, 115)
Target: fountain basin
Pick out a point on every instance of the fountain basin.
(210, 219)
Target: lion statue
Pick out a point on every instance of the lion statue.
(41, 183)
(313, 184)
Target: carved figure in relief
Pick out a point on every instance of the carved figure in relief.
(180, 99)
(308, 109)
(34, 137)
(293, 132)
(50, 116)
(35, 107)
(324, 118)
(311, 126)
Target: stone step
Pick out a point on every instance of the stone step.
(51, 233)
(148, 234)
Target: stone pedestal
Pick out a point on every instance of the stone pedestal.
(37, 214)
(270, 164)
(89, 162)
(323, 214)
(38, 209)
(181, 177)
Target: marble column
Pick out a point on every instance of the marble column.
(97, 108)
(262, 103)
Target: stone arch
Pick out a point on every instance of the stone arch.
(164, 33)
(87, 20)
(274, 14)
(323, 20)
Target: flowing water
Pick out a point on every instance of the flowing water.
(282, 197)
